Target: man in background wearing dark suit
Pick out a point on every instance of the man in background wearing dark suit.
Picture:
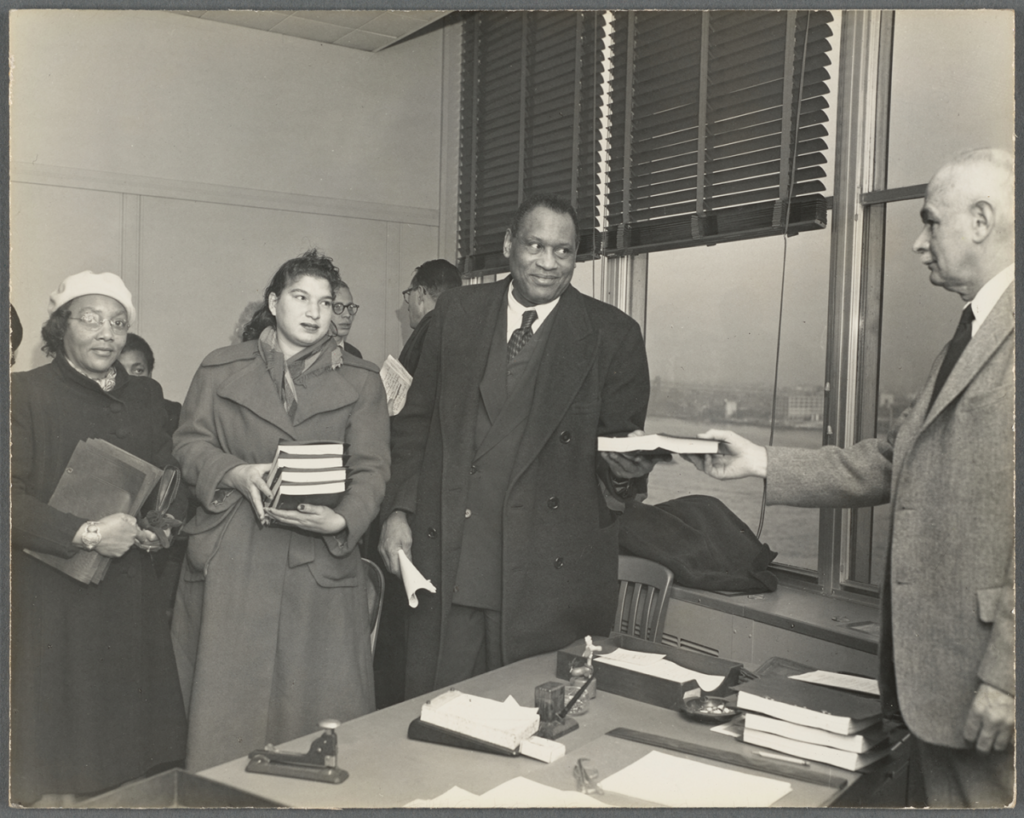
(428, 282)
(947, 642)
(497, 493)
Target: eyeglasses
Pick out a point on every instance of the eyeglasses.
(407, 293)
(94, 322)
(339, 308)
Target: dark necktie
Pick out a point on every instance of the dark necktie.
(521, 335)
(953, 352)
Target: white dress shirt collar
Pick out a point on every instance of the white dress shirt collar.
(516, 310)
(988, 295)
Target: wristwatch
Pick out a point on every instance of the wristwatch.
(91, 537)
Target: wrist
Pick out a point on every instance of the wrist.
(88, 536)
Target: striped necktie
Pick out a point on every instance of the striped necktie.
(521, 335)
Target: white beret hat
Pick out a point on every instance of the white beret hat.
(90, 283)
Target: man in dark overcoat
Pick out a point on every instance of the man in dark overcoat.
(498, 494)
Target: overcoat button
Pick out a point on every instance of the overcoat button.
(566, 436)
(552, 502)
(473, 469)
(468, 513)
(431, 532)
(559, 562)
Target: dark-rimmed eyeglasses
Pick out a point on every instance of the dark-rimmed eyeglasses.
(339, 308)
(407, 293)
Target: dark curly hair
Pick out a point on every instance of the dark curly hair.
(53, 331)
(310, 263)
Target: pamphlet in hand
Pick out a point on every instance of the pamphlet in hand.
(310, 472)
(397, 381)
(658, 444)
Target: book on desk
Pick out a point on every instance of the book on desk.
(813, 722)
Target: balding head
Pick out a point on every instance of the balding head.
(968, 215)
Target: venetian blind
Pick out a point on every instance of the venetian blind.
(706, 108)
(529, 123)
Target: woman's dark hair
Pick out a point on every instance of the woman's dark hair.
(310, 263)
(136, 343)
(53, 331)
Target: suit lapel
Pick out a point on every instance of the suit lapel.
(982, 346)
(567, 359)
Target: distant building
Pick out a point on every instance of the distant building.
(805, 407)
(730, 408)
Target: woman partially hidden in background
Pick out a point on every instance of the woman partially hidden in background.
(271, 627)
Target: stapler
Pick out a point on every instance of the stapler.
(318, 764)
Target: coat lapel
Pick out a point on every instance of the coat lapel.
(568, 357)
(245, 389)
(465, 350)
(982, 346)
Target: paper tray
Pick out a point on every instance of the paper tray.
(176, 788)
(641, 687)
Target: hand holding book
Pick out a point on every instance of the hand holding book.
(250, 481)
(309, 517)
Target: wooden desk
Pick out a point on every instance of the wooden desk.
(386, 769)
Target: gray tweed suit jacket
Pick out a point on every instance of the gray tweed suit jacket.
(948, 596)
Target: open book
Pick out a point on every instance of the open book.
(657, 443)
(100, 479)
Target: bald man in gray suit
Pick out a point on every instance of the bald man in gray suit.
(947, 643)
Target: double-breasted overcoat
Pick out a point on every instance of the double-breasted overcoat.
(271, 626)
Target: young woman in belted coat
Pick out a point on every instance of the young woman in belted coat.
(271, 627)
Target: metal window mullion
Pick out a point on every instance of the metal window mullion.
(474, 136)
(786, 149)
(628, 110)
(702, 113)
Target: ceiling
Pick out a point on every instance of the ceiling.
(362, 30)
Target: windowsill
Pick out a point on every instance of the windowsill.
(800, 611)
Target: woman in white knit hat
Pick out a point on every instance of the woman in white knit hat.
(94, 694)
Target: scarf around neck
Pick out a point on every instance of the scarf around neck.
(284, 372)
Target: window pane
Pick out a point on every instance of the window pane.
(952, 88)
(712, 316)
(917, 321)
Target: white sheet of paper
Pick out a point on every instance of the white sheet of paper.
(522, 792)
(455, 797)
(826, 678)
(633, 657)
(397, 381)
(665, 669)
(681, 782)
(413, 580)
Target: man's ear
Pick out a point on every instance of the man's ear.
(507, 247)
(983, 220)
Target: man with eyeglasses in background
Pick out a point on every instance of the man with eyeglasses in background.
(344, 314)
(428, 282)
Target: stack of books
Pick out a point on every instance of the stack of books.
(311, 472)
(809, 721)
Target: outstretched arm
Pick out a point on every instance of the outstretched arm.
(737, 457)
